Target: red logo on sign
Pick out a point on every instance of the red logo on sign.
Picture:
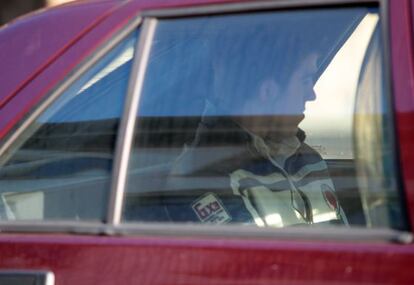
(209, 209)
(330, 197)
(206, 210)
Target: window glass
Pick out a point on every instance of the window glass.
(60, 167)
(251, 119)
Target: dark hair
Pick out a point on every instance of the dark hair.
(240, 64)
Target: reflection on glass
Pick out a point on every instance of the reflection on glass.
(329, 130)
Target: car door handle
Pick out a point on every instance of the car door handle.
(26, 277)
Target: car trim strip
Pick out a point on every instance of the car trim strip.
(126, 130)
(250, 6)
(212, 231)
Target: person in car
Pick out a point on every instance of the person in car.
(249, 162)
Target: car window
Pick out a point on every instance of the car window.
(265, 119)
(60, 167)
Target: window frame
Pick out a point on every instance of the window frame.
(55, 94)
(113, 226)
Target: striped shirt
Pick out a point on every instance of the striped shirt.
(228, 175)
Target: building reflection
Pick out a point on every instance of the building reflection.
(11, 9)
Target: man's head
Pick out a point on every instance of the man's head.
(265, 89)
(264, 72)
(275, 109)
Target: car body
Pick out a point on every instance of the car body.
(43, 54)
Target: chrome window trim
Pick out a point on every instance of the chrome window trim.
(127, 126)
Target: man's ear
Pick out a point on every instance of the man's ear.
(268, 89)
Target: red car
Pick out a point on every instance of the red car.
(208, 142)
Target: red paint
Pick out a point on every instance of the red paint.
(40, 39)
(116, 260)
(143, 260)
(24, 101)
(403, 92)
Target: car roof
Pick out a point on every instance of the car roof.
(29, 44)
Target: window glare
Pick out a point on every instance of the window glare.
(339, 95)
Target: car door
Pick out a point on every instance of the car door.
(240, 143)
